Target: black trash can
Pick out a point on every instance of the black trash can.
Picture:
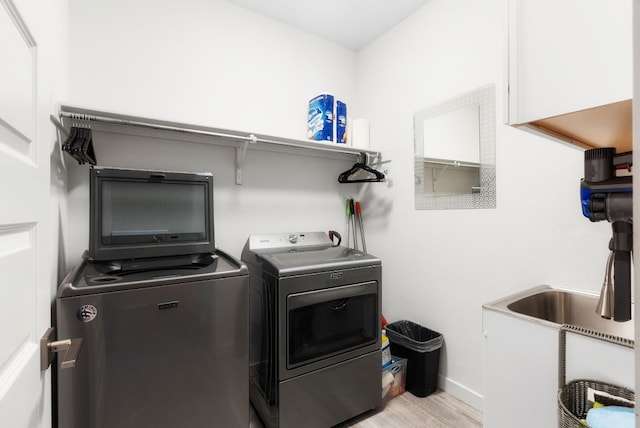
(421, 347)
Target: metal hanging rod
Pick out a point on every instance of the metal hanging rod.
(155, 126)
(58, 125)
(452, 163)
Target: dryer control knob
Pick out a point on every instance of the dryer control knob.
(293, 238)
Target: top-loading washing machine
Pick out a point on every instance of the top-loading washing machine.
(155, 316)
(315, 329)
(162, 347)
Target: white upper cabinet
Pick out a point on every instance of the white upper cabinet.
(568, 59)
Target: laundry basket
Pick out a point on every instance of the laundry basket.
(573, 402)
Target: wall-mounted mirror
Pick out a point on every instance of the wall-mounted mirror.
(455, 153)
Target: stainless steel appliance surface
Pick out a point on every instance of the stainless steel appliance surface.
(315, 337)
(159, 347)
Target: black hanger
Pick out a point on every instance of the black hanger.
(79, 145)
(86, 150)
(346, 176)
(76, 147)
(66, 146)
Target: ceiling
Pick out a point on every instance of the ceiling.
(351, 23)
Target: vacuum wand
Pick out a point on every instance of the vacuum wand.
(621, 245)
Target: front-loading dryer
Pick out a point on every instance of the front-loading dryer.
(315, 337)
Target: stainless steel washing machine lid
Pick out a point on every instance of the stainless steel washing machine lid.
(93, 278)
(288, 254)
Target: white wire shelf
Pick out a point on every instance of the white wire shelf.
(241, 141)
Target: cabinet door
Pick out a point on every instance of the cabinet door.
(521, 372)
(565, 56)
(521, 369)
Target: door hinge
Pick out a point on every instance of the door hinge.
(49, 347)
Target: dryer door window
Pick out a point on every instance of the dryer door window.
(322, 323)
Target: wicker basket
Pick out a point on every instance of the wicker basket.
(573, 403)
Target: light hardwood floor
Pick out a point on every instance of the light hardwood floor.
(438, 410)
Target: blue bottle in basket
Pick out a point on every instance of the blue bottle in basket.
(320, 119)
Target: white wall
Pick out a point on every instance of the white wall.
(202, 61)
(441, 266)
(212, 63)
(216, 64)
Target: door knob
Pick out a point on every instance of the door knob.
(49, 347)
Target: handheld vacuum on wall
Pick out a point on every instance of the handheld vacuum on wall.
(607, 196)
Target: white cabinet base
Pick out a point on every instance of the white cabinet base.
(521, 369)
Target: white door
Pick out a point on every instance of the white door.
(25, 231)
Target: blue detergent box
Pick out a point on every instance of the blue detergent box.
(341, 122)
(320, 121)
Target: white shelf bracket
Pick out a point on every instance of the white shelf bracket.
(241, 154)
(363, 157)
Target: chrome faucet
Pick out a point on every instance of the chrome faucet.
(605, 302)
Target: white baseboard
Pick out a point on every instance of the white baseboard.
(461, 392)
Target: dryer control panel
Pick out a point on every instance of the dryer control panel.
(288, 240)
